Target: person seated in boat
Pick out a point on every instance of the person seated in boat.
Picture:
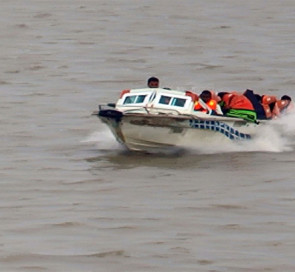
(275, 107)
(153, 82)
(206, 103)
(238, 105)
(270, 105)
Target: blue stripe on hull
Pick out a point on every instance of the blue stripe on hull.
(220, 127)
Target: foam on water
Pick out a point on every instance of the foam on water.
(103, 140)
(276, 136)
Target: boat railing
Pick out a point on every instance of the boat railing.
(131, 109)
(146, 109)
(158, 110)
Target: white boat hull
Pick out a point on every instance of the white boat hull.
(156, 133)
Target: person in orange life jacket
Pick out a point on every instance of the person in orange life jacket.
(237, 105)
(269, 106)
(234, 100)
(209, 103)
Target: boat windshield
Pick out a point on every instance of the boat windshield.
(179, 102)
(165, 99)
(134, 99)
(173, 101)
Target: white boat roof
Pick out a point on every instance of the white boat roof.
(170, 91)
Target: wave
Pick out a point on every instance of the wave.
(39, 256)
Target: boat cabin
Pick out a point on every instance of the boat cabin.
(156, 98)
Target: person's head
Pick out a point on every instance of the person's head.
(153, 82)
(286, 97)
(222, 94)
(206, 96)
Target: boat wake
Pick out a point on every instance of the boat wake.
(268, 140)
(277, 136)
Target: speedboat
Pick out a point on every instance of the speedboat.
(157, 119)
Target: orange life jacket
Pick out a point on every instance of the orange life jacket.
(237, 101)
(267, 101)
(212, 104)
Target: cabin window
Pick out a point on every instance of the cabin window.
(165, 100)
(134, 99)
(179, 102)
(129, 99)
(140, 98)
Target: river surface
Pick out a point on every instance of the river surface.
(72, 199)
